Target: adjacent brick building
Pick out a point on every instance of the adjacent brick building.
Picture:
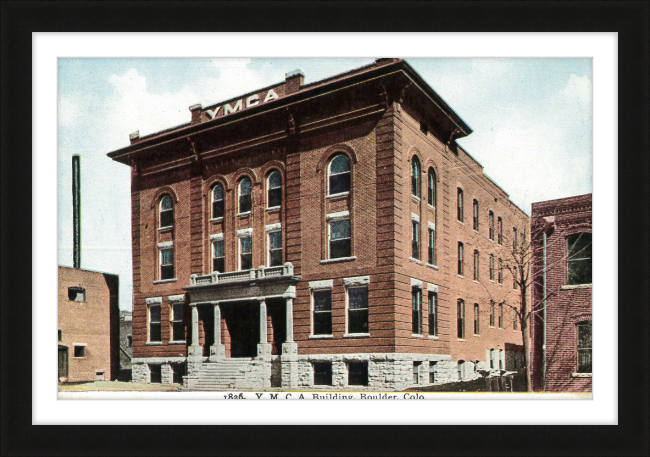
(88, 325)
(353, 198)
(567, 226)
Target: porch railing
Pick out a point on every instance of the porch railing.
(242, 275)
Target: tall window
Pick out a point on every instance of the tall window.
(432, 187)
(217, 201)
(178, 328)
(514, 238)
(340, 242)
(275, 248)
(491, 267)
(218, 256)
(579, 260)
(501, 315)
(166, 212)
(339, 175)
(461, 263)
(415, 177)
(415, 239)
(432, 246)
(500, 272)
(416, 321)
(499, 230)
(358, 309)
(245, 253)
(515, 320)
(245, 198)
(322, 312)
(433, 314)
(460, 321)
(274, 199)
(166, 263)
(491, 225)
(459, 204)
(584, 347)
(492, 358)
(477, 320)
(476, 265)
(475, 214)
(154, 323)
(493, 312)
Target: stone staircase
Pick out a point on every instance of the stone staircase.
(228, 374)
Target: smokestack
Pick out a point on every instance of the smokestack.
(76, 210)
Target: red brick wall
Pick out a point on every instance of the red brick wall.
(94, 322)
(565, 306)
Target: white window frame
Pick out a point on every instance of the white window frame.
(329, 174)
(160, 211)
(268, 244)
(318, 286)
(223, 199)
(244, 233)
(239, 195)
(268, 189)
(354, 283)
(214, 238)
(337, 217)
(165, 246)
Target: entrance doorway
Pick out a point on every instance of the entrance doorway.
(243, 324)
(63, 362)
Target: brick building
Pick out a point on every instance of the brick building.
(363, 215)
(88, 325)
(567, 226)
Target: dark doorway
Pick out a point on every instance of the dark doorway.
(243, 322)
(63, 362)
(276, 309)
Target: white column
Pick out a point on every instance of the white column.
(263, 336)
(289, 320)
(217, 324)
(195, 325)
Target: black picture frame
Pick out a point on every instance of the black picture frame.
(629, 19)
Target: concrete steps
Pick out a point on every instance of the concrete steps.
(229, 374)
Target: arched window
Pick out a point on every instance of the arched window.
(476, 265)
(415, 177)
(491, 222)
(432, 187)
(460, 259)
(514, 238)
(217, 201)
(166, 212)
(245, 200)
(274, 184)
(475, 213)
(491, 267)
(459, 204)
(500, 230)
(339, 175)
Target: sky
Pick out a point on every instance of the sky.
(531, 117)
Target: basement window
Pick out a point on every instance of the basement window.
(358, 373)
(322, 373)
(416, 372)
(76, 294)
(156, 374)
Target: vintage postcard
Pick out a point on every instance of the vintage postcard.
(325, 228)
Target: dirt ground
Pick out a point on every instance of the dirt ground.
(117, 386)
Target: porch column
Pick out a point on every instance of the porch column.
(289, 322)
(264, 348)
(195, 350)
(217, 350)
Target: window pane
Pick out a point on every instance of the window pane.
(246, 244)
(358, 373)
(340, 248)
(79, 351)
(275, 239)
(276, 257)
(166, 218)
(358, 297)
(154, 313)
(219, 248)
(339, 183)
(579, 261)
(156, 374)
(339, 229)
(432, 183)
(275, 180)
(166, 203)
(245, 187)
(323, 373)
(178, 329)
(275, 197)
(154, 332)
(340, 164)
(323, 323)
(358, 321)
(246, 261)
(217, 193)
(178, 310)
(219, 265)
(584, 335)
(323, 300)
(245, 203)
(167, 256)
(167, 272)
(217, 209)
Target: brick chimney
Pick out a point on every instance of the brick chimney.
(196, 113)
(294, 79)
(134, 137)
